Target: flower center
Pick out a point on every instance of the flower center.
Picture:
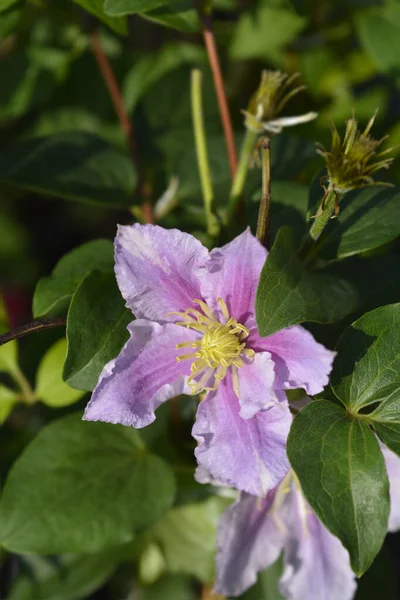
(220, 347)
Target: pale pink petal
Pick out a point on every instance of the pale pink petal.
(257, 385)
(317, 566)
(155, 269)
(232, 273)
(301, 362)
(393, 470)
(248, 454)
(142, 377)
(249, 540)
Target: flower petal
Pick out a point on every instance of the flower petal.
(232, 273)
(248, 454)
(300, 361)
(248, 540)
(257, 385)
(155, 269)
(142, 377)
(393, 471)
(317, 566)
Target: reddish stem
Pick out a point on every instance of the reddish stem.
(212, 52)
(116, 97)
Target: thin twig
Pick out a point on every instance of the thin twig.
(38, 325)
(265, 204)
(212, 52)
(116, 97)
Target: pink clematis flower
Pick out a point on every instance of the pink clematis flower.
(195, 331)
(254, 531)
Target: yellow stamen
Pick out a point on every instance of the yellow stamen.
(221, 346)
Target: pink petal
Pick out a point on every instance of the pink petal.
(144, 375)
(316, 564)
(300, 361)
(248, 454)
(232, 273)
(155, 269)
(248, 541)
(257, 385)
(393, 470)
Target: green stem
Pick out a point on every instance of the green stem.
(262, 233)
(27, 392)
(241, 173)
(322, 219)
(201, 149)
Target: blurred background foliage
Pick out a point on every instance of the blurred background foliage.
(67, 178)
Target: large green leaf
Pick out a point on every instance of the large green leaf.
(379, 32)
(82, 487)
(262, 33)
(187, 535)
(8, 399)
(70, 578)
(342, 474)
(95, 7)
(75, 166)
(96, 329)
(116, 8)
(368, 219)
(177, 15)
(53, 294)
(151, 67)
(288, 293)
(386, 421)
(50, 387)
(367, 366)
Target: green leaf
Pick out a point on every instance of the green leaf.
(368, 219)
(187, 535)
(267, 586)
(53, 294)
(50, 387)
(150, 68)
(5, 4)
(95, 7)
(264, 32)
(379, 33)
(82, 487)
(75, 166)
(170, 587)
(342, 474)
(386, 421)
(116, 8)
(76, 577)
(367, 366)
(96, 329)
(178, 15)
(288, 293)
(8, 399)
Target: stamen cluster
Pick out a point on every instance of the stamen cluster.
(220, 347)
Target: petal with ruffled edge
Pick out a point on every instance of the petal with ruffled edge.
(317, 566)
(248, 454)
(144, 375)
(155, 269)
(249, 540)
(393, 470)
(257, 385)
(232, 273)
(300, 361)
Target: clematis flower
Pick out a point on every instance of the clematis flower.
(253, 533)
(195, 331)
